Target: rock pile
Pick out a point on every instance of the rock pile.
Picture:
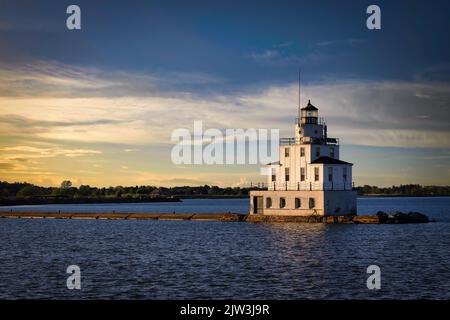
(400, 217)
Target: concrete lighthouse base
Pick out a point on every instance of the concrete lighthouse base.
(303, 203)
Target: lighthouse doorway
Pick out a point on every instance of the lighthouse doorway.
(258, 205)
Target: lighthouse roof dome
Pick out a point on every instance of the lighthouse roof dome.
(329, 160)
(310, 107)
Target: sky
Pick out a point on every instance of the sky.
(98, 105)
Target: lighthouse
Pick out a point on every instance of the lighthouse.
(309, 178)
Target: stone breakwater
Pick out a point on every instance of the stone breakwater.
(379, 218)
(125, 216)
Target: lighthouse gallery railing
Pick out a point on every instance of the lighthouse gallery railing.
(306, 186)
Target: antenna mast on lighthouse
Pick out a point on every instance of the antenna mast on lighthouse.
(299, 98)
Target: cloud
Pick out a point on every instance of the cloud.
(276, 57)
(284, 44)
(280, 55)
(435, 73)
(55, 79)
(20, 166)
(24, 153)
(6, 166)
(79, 124)
(34, 162)
(375, 113)
(186, 181)
(243, 182)
(346, 42)
(189, 178)
(27, 123)
(266, 55)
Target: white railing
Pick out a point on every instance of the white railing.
(305, 186)
(309, 140)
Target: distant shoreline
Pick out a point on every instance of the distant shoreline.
(46, 201)
(403, 195)
(360, 195)
(22, 202)
(29, 201)
(214, 197)
(23, 193)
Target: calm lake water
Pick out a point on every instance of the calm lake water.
(210, 259)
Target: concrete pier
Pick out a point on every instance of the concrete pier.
(236, 217)
(125, 216)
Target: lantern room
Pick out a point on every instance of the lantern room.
(309, 114)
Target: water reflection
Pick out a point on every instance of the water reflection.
(211, 259)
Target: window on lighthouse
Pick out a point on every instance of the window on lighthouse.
(286, 152)
(282, 202)
(302, 152)
(286, 173)
(302, 174)
(316, 174)
(298, 203)
(268, 202)
(312, 203)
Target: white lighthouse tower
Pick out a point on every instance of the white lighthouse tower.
(309, 178)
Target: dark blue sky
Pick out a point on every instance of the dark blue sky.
(243, 42)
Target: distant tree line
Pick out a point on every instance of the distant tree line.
(27, 193)
(24, 189)
(22, 192)
(404, 190)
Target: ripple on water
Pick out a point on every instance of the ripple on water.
(211, 259)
